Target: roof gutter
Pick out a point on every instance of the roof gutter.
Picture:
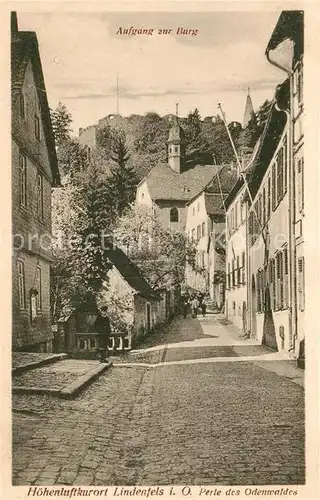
(291, 211)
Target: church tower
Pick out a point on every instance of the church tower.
(176, 146)
(249, 112)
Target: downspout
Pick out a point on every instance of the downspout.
(291, 194)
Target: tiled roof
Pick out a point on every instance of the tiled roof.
(165, 184)
(214, 204)
(24, 47)
(130, 272)
(227, 179)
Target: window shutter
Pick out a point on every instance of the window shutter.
(301, 284)
(273, 187)
(285, 279)
(300, 193)
(285, 166)
(243, 268)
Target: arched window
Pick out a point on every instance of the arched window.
(174, 215)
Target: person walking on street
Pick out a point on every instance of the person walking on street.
(102, 327)
(194, 306)
(204, 306)
(185, 306)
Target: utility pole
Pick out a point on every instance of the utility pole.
(177, 109)
(117, 93)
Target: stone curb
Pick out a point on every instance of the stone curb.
(36, 364)
(73, 389)
(35, 390)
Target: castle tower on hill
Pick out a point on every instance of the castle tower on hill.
(176, 146)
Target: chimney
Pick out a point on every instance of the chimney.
(14, 23)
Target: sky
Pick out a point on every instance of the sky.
(82, 53)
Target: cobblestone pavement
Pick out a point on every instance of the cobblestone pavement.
(54, 376)
(23, 358)
(211, 423)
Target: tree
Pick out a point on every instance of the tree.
(160, 253)
(83, 216)
(61, 120)
(72, 158)
(151, 137)
(122, 180)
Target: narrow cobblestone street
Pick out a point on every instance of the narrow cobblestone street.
(198, 405)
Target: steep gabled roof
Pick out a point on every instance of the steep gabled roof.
(290, 25)
(24, 47)
(165, 184)
(130, 273)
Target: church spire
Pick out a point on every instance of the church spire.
(176, 144)
(248, 113)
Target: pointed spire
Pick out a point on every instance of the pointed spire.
(249, 112)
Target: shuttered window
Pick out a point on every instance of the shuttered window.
(243, 269)
(273, 186)
(229, 277)
(272, 281)
(285, 279)
(233, 282)
(268, 198)
(285, 166)
(301, 283)
(300, 190)
(279, 276)
(279, 175)
(238, 271)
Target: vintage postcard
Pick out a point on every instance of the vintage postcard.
(164, 250)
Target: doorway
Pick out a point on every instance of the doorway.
(253, 309)
(148, 311)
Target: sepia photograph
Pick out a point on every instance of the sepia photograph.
(158, 251)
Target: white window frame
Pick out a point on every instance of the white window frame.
(38, 281)
(21, 284)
